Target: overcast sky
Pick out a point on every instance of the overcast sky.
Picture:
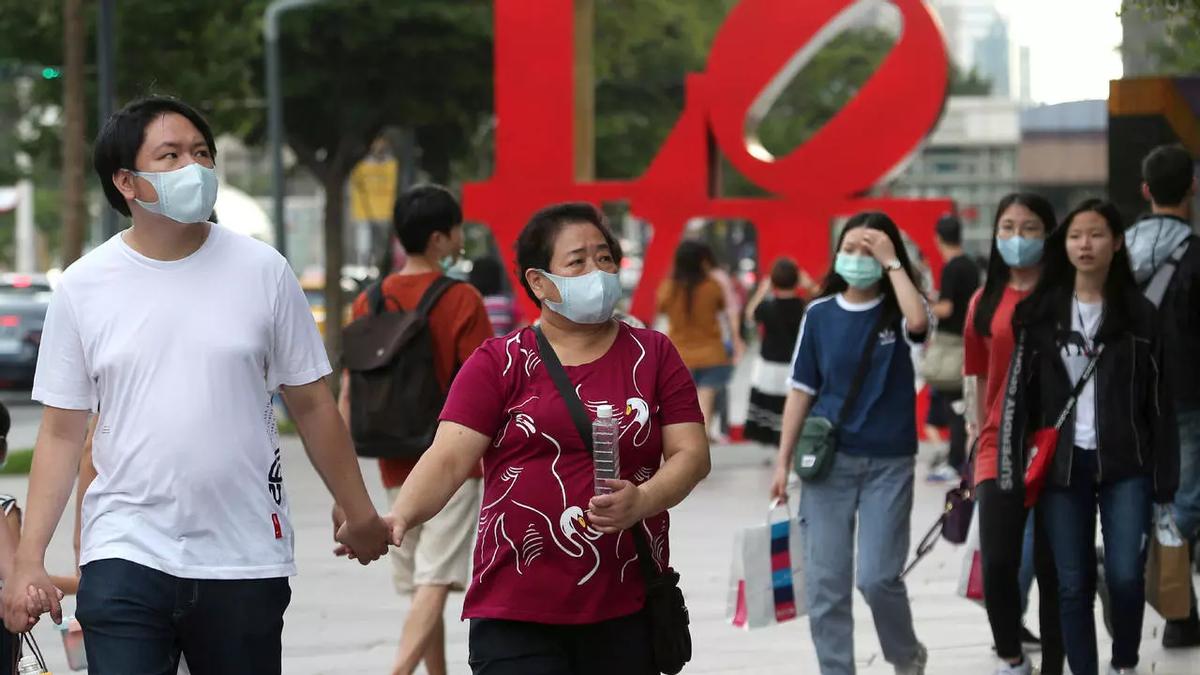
(1072, 43)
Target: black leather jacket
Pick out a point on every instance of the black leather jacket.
(1135, 414)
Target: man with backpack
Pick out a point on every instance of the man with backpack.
(1165, 255)
(411, 333)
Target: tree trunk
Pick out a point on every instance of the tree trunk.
(335, 183)
(74, 213)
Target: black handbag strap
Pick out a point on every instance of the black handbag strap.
(583, 424)
(1078, 388)
(860, 375)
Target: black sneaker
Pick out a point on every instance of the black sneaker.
(1030, 641)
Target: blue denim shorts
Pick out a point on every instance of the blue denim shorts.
(713, 377)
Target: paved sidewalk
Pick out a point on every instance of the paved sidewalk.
(345, 618)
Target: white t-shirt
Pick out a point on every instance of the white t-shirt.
(1085, 322)
(181, 358)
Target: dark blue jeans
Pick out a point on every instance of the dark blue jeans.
(137, 621)
(1070, 517)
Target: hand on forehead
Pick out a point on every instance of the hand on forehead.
(860, 235)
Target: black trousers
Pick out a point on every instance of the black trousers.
(1001, 533)
(942, 415)
(616, 647)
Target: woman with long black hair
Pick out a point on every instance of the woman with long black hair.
(870, 305)
(1018, 236)
(1086, 324)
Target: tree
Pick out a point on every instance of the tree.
(74, 145)
(350, 69)
(355, 67)
(204, 53)
(1179, 52)
(644, 51)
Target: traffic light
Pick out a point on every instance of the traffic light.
(51, 73)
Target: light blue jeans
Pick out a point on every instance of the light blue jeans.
(876, 494)
(1187, 497)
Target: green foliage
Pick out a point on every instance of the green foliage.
(353, 67)
(19, 462)
(644, 50)
(1178, 53)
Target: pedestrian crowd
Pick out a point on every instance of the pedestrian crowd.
(530, 462)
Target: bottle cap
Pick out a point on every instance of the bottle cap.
(604, 412)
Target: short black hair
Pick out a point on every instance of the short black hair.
(422, 210)
(123, 133)
(949, 230)
(487, 276)
(785, 274)
(1168, 172)
(535, 244)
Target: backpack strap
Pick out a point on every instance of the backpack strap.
(1156, 288)
(376, 302)
(433, 294)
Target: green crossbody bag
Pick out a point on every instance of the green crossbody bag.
(817, 445)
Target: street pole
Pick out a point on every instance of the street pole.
(106, 85)
(275, 113)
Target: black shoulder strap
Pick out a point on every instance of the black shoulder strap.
(860, 375)
(1078, 388)
(433, 294)
(583, 425)
(558, 375)
(376, 303)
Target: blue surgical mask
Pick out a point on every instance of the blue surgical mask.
(185, 195)
(589, 298)
(860, 271)
(1018, 251)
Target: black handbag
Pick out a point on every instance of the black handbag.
(670, 637)
(954, 522)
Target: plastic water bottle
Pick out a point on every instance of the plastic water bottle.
(606, 448)
(29, 665)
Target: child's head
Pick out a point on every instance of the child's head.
(785, 274)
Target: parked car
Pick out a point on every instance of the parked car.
(23, 302)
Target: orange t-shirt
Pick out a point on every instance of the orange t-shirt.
(696, 333)
(459, 324)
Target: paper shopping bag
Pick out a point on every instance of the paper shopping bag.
(767, 575)
(1168, 569)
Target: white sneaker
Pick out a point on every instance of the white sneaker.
(1113, 670)
(917, 667)
(942, 473)
(1022, 668)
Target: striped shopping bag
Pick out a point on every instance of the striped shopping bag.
(767, 576)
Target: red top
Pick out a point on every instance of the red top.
(459, 324)
(536, 557)
(989, 357)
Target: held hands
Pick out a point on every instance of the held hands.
(28, 595)
(366, 540)
(618, 510)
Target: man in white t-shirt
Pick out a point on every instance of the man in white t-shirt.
(177, 332)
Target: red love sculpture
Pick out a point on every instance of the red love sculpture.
(813, 185)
